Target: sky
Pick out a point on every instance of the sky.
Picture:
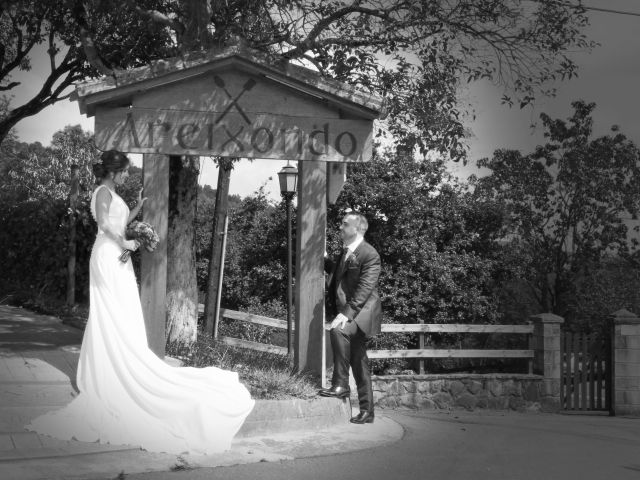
(608, 76)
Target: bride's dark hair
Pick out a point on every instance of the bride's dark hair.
(110, 161)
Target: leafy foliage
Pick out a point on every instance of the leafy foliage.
(255, 269)
(435, 267)
(35, 212)
(602, 289)
(565, 203)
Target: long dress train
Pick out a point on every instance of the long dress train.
(127, 394)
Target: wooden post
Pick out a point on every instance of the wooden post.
(214, 281)
(216, 319)
(153, 271)
(310, 242)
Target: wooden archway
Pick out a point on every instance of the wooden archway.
(237, 103)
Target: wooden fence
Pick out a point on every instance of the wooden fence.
(422, 329)
(586, 372)
(256, 320)
(425, 328)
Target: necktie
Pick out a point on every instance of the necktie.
(345, 254)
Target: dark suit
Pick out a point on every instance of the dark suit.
(353, 291)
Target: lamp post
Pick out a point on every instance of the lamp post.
(288, 178)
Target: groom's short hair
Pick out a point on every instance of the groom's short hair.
(362, 224)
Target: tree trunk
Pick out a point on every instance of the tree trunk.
(71, 261)
(182, 287)
(225, 165)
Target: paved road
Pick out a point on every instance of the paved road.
(467, 445)
(38, 356)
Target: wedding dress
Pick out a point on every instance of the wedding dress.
(127, 394)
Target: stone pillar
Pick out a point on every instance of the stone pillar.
(626, 363)
(547, 360)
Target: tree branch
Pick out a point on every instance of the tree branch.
(11, 85)
(158, 17)
(21, 49)
(324, 23)
(45, 96)
(86, 40)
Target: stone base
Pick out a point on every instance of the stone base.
(278, 416)
(627, 410)
(464, 391)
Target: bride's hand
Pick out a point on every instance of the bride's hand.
(131, 245)
(140, 199)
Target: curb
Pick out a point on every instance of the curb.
(279, 416)
(269, 417)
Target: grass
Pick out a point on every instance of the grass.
(266, 375)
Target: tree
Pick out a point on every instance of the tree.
(60, 27)
(46, 233)
(36, 248)
(8, 144)
(256, 253)
(566, 203)
(412, 51)
(436, 267)
(75, 148)
(213, 295)
(204, 227)
(44, 174)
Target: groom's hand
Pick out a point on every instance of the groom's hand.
(339, 321)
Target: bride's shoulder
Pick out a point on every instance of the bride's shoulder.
(102, 191)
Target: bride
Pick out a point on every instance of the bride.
(127, 394)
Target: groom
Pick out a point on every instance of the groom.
(354, 305)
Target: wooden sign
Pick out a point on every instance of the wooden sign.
(233, 134)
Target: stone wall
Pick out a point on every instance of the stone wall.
(461, 391)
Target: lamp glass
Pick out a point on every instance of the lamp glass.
(288, 178)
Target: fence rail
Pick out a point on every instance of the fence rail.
(424, 328)
(455, 328)
(261, 347)
(421, 328)
(450, 353)
(251, 318)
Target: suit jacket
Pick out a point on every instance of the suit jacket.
(353, 288)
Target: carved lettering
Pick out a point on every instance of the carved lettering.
(152, 126)
(186, 130)
(276, 136)
(233, 137)
(325, 143)
(266, 146)
(352, 139)
(130, 127)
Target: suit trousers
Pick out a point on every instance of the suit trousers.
(349, 349)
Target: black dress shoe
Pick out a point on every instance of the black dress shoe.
(338, 392)
(363, 417)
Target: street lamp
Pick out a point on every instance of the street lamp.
(288, 178)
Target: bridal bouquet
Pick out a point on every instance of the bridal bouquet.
(144, 234)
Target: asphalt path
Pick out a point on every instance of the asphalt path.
(466, 445)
